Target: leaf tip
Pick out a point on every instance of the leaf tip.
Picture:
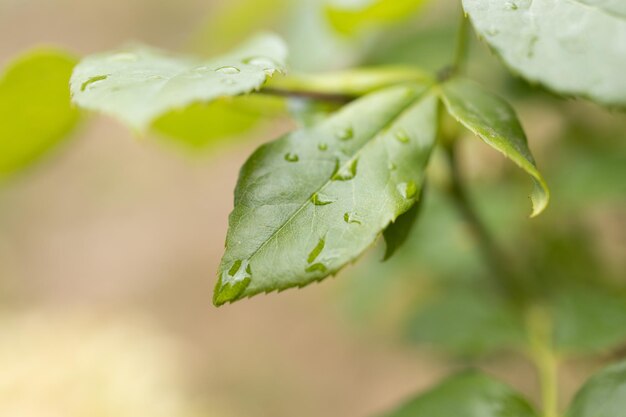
(229, 292)
(539, 198)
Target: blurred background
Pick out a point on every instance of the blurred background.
(109, 246)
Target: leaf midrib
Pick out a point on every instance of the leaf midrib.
(399, 114)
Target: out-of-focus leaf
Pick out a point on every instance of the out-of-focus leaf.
(469, 394)
(424, 48)
(35, 107)
(354, 82)
(140, 84)
(467, 321)
(589, 319)
(495, 122)
(574, 47)
(314, 200)
(201, 125)
(351, 16)
(397, 232)
(604, 395)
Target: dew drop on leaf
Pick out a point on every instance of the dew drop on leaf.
(345, 133)
(228, 70)
(316, 251)
(322, 146)
(350, 218)
(92, 80)
(407, 189)
(318, 267)
(402, 136)
(346, 173)
(260, 61)
(291, 157)
(319, 200)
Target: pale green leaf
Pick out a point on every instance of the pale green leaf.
(203, 125)
(604, 395)
(139, 84)
(495, 122)
(351, 16)
(469, 394)
(574, 47)
(35, 107)
(311, 202)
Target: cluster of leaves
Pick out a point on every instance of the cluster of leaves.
(313, 201)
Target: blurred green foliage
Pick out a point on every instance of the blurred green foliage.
(35, 107)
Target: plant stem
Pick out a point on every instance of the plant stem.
(312, 95)
(504, 277)
(543, 356)
(462, 44)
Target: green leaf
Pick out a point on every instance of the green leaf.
(140, 84)
(589, 319)
(495, 122)
(467, 321)
(398, 232)
(34, 107)
(604, 395)
(469, 394)
(311, 202)
(574, 47)
(351, 16)
(203, 125)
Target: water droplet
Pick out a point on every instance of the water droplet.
(511, 5)
(318, 267)
(407, 189)
(492, 32)
(156, 77)
(392, 166)
(402, 136)
(350, 218)
(227, 70)
(239, 271)
(124, 56)
(92, 80)
(322, 146)
(316, 251)
(345, 133)
(260, 61)
(319, 200)
(346, 173)
(291, 157)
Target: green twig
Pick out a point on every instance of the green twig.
(462, 45)
(543, 356)
(504, 276)
(311, 95)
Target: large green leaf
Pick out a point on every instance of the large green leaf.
(35, 107)
(313, 201)
(604, 395)
(495, 122)
(469, 394)
(350, 16)
(467, 321)
(574, 47)
(139, 84)
(589, 319)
